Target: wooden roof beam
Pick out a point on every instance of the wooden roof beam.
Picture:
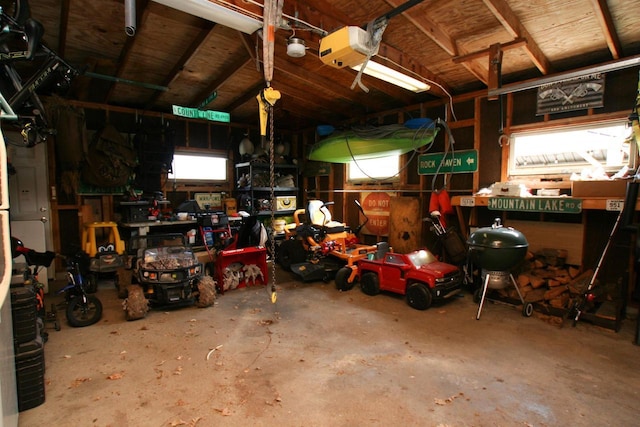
(229, 71)
(429, 28)
(392, 54)
(64, 25)
(126, 50)
(512, 24)
(603, 13)
(189, 53)
(481, 54)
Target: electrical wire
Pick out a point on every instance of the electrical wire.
(426, 80)
(386, 131)
(297, 20)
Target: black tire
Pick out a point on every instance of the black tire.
(419, 296)
(80, 314)
(125, 276)
(527, 309)
(291, 252)
(210, 269)
(370, 284)
(342, 279)
(136, 305)
(92, 283)
(206, 292)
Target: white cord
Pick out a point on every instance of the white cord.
(318, 29)
(419, 77)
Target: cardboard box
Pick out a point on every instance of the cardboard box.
(614, 189)
(506, 189)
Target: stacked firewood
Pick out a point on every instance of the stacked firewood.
(546, 278)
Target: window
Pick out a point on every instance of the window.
(571, 150)
(381, 168)
(198, 167)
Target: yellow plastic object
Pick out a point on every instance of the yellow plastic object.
(266, 98)
(89, 237)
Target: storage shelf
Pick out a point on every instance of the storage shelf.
(256, 198)
(266, 189)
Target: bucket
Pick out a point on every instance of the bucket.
(191, 236)
(278, 225)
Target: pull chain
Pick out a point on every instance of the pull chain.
(272, 180)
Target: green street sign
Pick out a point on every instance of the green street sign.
(535, 204)
(462, 161)
(194, 113)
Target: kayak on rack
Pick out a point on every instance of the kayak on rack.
(373, 142)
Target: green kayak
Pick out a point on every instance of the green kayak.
(370, 143)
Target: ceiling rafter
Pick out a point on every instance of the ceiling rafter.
(64, 25)
(141, 6)
(512, 24)
(603, 13)
(481, 54)
(246, 96)
(429, 28)
(229, 71)
(189, 53)
(392, 53)
(297, 73)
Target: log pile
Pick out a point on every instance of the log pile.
(545, 278)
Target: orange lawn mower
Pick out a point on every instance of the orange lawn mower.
(319, 248)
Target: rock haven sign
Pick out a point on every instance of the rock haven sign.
(535, 204)
(462, 161)
(579, 93)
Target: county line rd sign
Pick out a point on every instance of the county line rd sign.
(462, 161)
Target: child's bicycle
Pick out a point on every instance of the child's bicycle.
(82, 308)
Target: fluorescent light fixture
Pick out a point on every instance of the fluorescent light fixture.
(389, 75)
(215, 13)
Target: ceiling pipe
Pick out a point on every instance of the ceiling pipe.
(560, 77)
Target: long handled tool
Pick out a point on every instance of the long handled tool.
(580, 304)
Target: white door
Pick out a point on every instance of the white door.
(29, 198)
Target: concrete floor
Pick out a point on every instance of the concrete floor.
(320, 357)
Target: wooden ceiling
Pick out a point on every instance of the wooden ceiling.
(178, 59)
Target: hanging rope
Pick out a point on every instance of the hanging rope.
(272, 12)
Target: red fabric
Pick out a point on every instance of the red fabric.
(434, 204)
(445, 203)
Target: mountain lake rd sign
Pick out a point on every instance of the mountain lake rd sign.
(462, 161)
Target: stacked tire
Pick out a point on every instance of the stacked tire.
(28, 347)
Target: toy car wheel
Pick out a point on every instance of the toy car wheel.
(290, 252)
(527, 309)
(342, 279)
(80, 313)
(210, 269)
(206, 292)
(124, 280)
(370, 283)
(136, 305)
(419, 296)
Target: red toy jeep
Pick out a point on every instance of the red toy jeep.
(418, 275)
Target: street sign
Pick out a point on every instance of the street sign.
(194, 113)
(462, 161)
(535, 204)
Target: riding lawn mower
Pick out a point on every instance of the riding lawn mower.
(319, 248)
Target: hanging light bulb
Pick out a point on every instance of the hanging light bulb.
(246, 146)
